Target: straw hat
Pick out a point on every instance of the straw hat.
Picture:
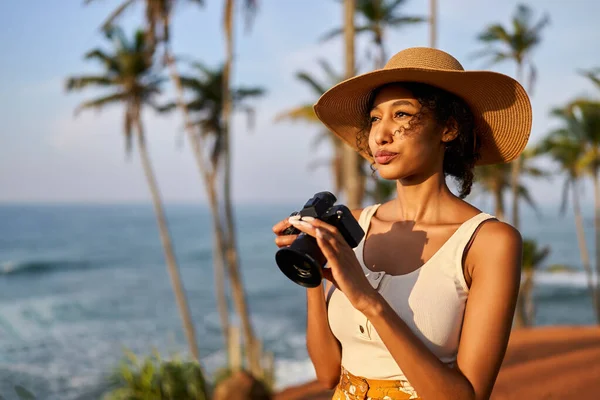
(499, 104)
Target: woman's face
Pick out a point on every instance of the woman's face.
(404, 145)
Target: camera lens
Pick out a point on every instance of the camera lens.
(302, 261)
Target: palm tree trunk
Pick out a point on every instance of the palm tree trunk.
(353, 177)
(515, 183)
(524, 308)
(516, 170)
(337, 167)
(239, 296)
(597, 233)
(498, 202)
(210, 187)
(173, 268)
(528, 295)
(218, 259)
(585, 256)
(432, 23)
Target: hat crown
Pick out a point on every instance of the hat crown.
(424, 57)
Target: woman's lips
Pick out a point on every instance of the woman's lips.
(384, 157)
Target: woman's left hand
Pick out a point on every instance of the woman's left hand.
(344, 269)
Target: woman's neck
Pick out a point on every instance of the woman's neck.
(423, 201)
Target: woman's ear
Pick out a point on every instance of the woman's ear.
(450, 131)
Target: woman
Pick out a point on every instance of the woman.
(423, 307)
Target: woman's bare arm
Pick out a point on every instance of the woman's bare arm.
(323, 348)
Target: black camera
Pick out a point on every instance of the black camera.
(303, 261)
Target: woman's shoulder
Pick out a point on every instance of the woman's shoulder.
(496, 232)
(358, 211)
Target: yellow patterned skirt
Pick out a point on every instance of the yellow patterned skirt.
(353, 387)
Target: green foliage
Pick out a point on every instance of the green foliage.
(375, 18)
(126, 72)
(207, 102)
(155, 379)
(514, 44)
(23, 393)
(533, 254)
(558, 268)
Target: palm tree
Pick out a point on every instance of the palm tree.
(205, 108)
(379, 15)
(135, 84)
(305, 113)
(566, 147)
(517, 46)
(432, 23)
(593, 75)
(252, 345)
(352, 162)
(157, 15)
(533, 257)
(495, 180)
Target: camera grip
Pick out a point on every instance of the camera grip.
(290, 230)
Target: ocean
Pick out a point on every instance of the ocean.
(79, 283)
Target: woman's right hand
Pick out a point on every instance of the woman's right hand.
(283, 240)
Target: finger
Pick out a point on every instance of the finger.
(283, 224)
(305, 227)
(283, 241)
(280, 226)
(327, 243)
(317, 223)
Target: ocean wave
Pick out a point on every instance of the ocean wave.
(40, 266)
(576, 279)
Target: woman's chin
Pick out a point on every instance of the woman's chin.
(388, 173)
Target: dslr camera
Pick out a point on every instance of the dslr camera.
(302, 261)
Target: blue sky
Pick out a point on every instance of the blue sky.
(47, 155)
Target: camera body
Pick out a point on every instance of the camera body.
(302, 261)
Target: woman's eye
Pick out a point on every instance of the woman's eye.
(400, 114)
(373, 118)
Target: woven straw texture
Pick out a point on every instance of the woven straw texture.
(500, 105)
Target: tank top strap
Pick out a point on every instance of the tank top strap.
(459, 241)
(365, 216)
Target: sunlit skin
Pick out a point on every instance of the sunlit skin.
(404, 233)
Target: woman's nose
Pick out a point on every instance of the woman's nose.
(383, 133)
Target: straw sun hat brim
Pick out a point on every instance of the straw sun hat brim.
(499, 104)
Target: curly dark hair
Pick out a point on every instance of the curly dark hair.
(461, 154)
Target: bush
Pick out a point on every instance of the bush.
(155, 379)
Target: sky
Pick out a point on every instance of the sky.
(48, 155)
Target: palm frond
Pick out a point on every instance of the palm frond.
(533, 254)
(115, 14)
(525, 195)
(331, 34)
(494, 33)
(593, 75)
(532, 78)
(565, 195)
(332, 75)
(493, 55)
(98, 104)
(401, 21)
(309, 80)
(79, 82)
(303, 113)
(242, 93)
(100, 55)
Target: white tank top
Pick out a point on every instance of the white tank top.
(430, 300)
